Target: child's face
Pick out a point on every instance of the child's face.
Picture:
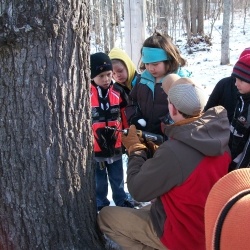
(243, 87)
(104, 79)
(157, 69)
(120, 72)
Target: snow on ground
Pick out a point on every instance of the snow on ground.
(125, 158)
(205, 65)
(205, 62)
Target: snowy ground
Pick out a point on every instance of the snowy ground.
(125, 179)
(205, 65)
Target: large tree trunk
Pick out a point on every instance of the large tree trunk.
(47, 188)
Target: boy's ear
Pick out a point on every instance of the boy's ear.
(172, 109)
(175, 110)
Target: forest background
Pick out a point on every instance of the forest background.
(195, 27)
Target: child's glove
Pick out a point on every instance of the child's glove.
(140, 123)
(152, 147)
(131, 141)
(106, 140)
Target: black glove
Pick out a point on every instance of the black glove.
(106, 140)
(167, 120)
(139, 122)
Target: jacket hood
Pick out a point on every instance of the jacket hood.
(148, 79)
(209, 134)
(119, 54)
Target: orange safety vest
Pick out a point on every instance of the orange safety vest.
(107, 143)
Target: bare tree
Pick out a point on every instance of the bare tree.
(175, 19)
(207, 9)
(162, 17)
(215, 14)
(193, 9)
(151, 18)
(96, 27)
(134, 20)
(47, 187)
(119, 18)
(105, 26)
(186, 17)
(225, 57)
(112, 24)
(245, 15)
(200, 17)
(232, 15)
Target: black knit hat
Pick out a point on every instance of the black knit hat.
(241, 69)
(99, 62)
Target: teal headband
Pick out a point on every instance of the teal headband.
(151, 55)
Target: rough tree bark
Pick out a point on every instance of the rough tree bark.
(47, 188)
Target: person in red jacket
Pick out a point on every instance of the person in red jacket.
(179, 176)
(108, 102)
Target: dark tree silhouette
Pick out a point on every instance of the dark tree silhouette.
(47, 188)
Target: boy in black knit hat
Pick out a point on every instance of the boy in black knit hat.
(240, 126)
(108, 103)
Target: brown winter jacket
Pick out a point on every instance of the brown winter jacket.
(148, 101)
(180, 175)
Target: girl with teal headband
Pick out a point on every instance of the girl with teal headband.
(148, 106)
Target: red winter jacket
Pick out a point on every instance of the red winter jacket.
(108, 107)
(180, 175)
